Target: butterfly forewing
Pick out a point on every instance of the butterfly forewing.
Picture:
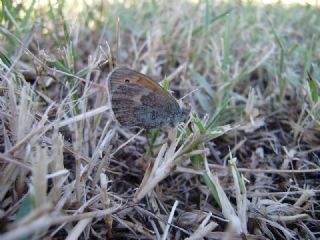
(123, 75)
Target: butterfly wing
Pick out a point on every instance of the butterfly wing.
(137, 100)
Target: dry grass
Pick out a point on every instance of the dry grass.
(244, 166)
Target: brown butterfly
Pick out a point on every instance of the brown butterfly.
(139, 101)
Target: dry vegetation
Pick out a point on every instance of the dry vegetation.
(244, 166)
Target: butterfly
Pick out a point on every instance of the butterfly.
(139, 101)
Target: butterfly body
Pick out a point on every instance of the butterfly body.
(139, 101)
